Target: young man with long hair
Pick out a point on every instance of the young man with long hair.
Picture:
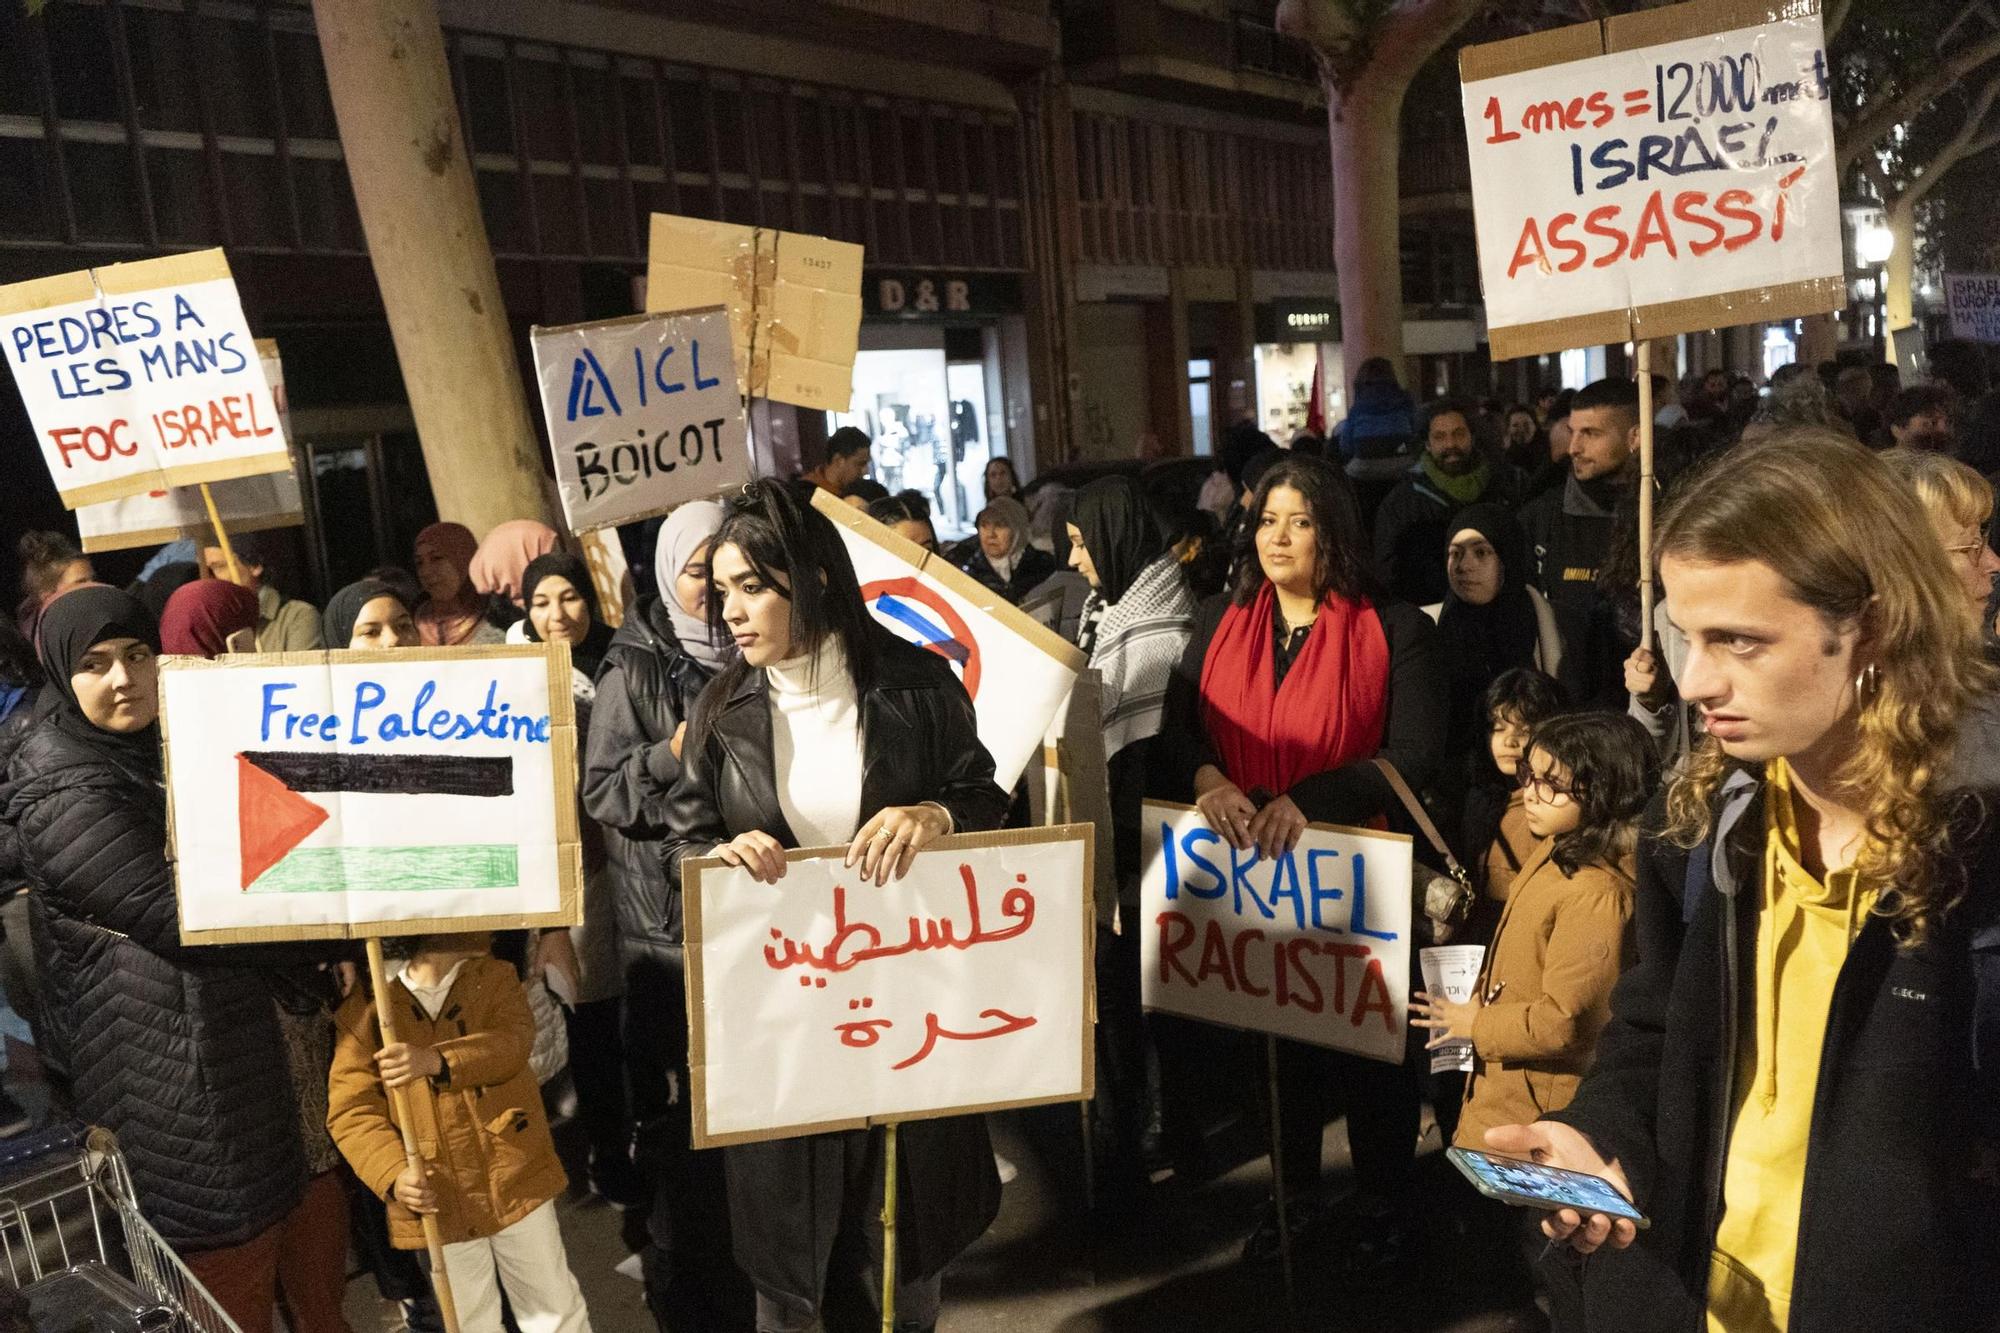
(1800, 1082)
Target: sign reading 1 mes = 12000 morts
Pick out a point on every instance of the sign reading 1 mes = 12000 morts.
(139, 377)
(320, 793)
(1658, 173)
(643, 414)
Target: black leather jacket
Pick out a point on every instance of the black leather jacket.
(645, 689)
(920, 743)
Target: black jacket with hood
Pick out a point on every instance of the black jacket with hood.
(1894, 1232)
(645, 689)
(920, 742)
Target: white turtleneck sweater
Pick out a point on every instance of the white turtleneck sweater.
(816, 745)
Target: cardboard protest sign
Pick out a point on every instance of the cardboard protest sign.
(822, 1003)
(1314, 945)
(141, 376)
(643, 414)
(794, 302)
(343, 794)
(1656, 173)
(609, 574)
(1074, 785)
(1974, 302)
(1017, 672)
(246, 504)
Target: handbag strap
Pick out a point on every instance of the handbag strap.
(1422, 818)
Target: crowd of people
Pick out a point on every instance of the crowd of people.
(1734, 870)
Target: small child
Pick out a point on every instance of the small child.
(1495, 828)
(1545, 990)
(491, 1174)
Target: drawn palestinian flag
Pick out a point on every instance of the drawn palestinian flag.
(273, 818)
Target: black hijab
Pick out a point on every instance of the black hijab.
(588, 655)
(1486, 640)
(70, 625)
(345, 607)
(1119, 532)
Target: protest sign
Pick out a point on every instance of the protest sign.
(1656, 173)
(1974, 302)
(141, 376)
(794, 302)
(1452, 970)
(1017, 672)
(643, 414)
(245, 504)
(822, 1002)
(343, 794)
(1313, 945)
(604, 553)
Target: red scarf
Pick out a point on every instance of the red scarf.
(1331, 710)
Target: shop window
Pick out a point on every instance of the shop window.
(1201, 373)
(925, 409)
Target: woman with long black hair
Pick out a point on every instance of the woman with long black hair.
(829, 730)
(1293, 684)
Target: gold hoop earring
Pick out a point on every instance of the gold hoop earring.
(1867, 682)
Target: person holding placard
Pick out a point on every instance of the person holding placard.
(497, 566)
(1797, 1086)
(829, 730)
(1292, 685)
(178, 1051)
(653, 672)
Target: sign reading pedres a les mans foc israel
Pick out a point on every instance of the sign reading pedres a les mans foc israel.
(1657, 173)
(359, 793)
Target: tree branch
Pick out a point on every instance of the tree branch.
(1869, 128)
(1957, 148)
(1834, 17)
(1880, 180)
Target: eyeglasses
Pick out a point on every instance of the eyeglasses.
(1542, 789)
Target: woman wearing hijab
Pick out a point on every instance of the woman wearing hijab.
(209, 617)
(562, 608)
(369, 614)
(1136, 623)
(1005, 562)
(176, 1050)
(1493, 618)
(500, 562)
(656, 666)
(452, 612)
(1293, 684)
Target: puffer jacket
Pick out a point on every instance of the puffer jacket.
(920, 742)
(14, 729)
(175, 1049)
(645, 690)
(487, 1138)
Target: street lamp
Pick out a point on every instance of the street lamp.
(1874, 243)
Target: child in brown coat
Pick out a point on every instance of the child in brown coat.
(490, 1173)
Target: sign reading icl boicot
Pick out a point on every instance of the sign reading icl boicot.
(1312, 944)
(141, 376)
(822, 1002)
(319, 795)
(643, 414)
(1657, 173)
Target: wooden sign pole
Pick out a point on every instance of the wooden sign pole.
(221, 534)
(889, 1229)
(1646, 494)
(400, 1097)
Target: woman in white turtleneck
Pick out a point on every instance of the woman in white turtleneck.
(828, 730)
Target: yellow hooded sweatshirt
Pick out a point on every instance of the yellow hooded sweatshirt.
(1804, 929)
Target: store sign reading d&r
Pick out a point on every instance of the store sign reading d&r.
(939, 295)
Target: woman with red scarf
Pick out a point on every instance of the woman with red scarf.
(1295, 680)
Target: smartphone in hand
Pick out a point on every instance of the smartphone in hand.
(1532, 1185)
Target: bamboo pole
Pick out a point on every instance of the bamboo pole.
(400, 1099)
(1646, 495)
(889, 1229)
(221, 535)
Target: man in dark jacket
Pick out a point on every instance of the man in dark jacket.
(1411, 525)
(1570, 529)
(1800, 1082)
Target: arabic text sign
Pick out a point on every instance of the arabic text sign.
(246, 504)
(643, 414)
(1314, 945)
(1661, 173)
(141, 376)
(1018, 673)
(822, 1002)
(338, 794)
(1974, 301)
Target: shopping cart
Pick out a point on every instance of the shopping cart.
(77, 1250)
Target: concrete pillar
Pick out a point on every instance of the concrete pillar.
(406, 156)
